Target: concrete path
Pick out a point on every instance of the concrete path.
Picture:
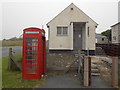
(62, 81)
(97, 82)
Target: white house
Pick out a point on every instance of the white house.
(72, 30)
(101, 38)
(115, 33)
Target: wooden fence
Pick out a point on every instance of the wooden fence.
(12, 61)
(110, 49)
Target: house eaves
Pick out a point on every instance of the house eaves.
(115, 24)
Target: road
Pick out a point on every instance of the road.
(5, 50)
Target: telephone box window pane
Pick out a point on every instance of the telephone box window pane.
(32, 53)
(31, 57)
(31, 62)
(31, 48)
(30, 69)
(32, 39)
(34, 67)
(32, 44)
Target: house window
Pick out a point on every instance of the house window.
(62, 30)
(114, 37)
(59, 30)
(102, 39)
(88, 32)
(65, 30)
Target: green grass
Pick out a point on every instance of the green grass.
(11, 43)
(18, 57)
(13, 79)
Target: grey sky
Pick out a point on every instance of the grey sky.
(19, 15)
(119, 11)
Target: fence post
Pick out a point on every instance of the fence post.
(87, 71)
(10, 61)
(115, 71)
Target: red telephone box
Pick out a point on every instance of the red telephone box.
(34, 53)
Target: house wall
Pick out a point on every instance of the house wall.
(116, 33)
(99, 40)
(60, 42)
(65, 19)
(119, 33)
(90, 40)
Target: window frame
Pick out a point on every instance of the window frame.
(114, 38)
(58, 30)
(88, 31)
(62, 31)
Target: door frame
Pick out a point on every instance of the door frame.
(83, 24)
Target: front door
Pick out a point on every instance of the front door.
(77, 36)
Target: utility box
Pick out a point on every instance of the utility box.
(34, 53)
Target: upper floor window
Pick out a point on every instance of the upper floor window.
(62, 30)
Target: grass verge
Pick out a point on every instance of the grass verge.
(13, 79)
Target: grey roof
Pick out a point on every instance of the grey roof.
(99, 36)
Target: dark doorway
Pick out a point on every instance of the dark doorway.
(77, 35)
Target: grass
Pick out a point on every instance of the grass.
(13, 79)
(11, 43)
(18, 57)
